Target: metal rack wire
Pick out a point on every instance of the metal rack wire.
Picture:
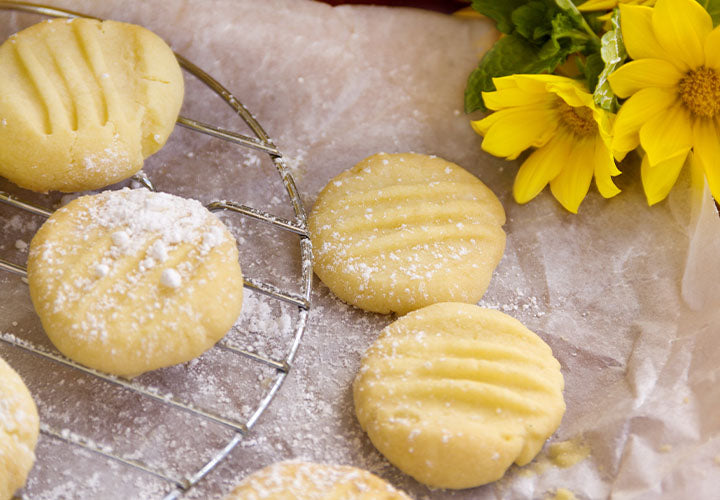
(179, 486)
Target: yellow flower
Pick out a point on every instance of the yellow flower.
(592, 5)
(673, 86)
(557, 116)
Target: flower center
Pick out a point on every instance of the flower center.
(700, 91)
(579, 120)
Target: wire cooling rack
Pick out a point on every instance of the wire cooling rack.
(178, 487)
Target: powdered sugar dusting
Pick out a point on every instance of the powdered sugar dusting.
(397, 232)
(312, 416)
(312, 480)
(135, 215)
(110, 162)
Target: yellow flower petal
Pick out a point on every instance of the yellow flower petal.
(641, 107)
(505, 82)
(541, 167)
(509, 132)
(659, 179)
(636, 75)
(712, 49)
(527, 82)
(542, 83)
(514, 97)
(707, 152)
(638, 34)
(483, 125)
(591, 5)
(667, 135)
(605, 168)
(681, 27)
(575, 97)
(571, 186)
(697, 176)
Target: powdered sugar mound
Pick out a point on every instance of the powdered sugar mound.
(139, 221)
(101, 270)
(135, 214)
(158, 251)
(170, 278)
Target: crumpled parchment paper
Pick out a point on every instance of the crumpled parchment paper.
(626, 295)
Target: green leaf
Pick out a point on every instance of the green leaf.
(713, 8)
(577, 18)
(499, 11)
(566, 34)
(594, 21)
(533, 21)
(511, 55)
(613, 53)
(591, 70)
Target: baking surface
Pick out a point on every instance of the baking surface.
(624, 294)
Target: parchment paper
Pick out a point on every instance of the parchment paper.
(626, 295)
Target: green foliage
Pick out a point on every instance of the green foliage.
(531, 21)
(591, 69)
(499, 11)
(539, 36)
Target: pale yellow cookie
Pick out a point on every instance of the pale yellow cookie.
(83, 102)
(311, 481)
(398, 232)
(453, 394)
(19, 427)
(129, 281)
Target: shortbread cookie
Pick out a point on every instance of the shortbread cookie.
(399, 232)
(453, 394)
(310, 481)
(19, 427)
(129, 281)
(83, 102)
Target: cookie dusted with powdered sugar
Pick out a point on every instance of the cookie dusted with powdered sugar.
(398, 232)
(454, 394)
(130, 281)
(19, 428)
(311, 481)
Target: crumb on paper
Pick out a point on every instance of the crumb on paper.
(565, 454)
(561, 494)
(561, 454)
